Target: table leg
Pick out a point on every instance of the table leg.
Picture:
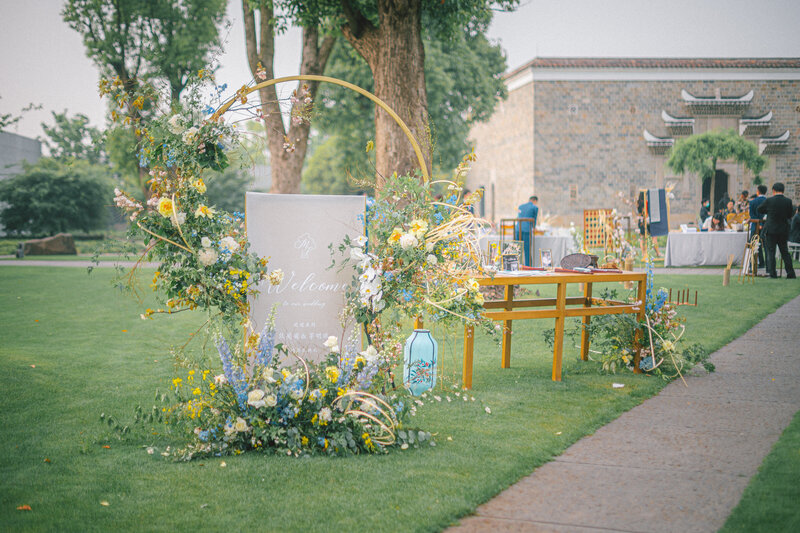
(558, 347)
(587, 294)
(637, 342)
(466, 371)
(506, 361)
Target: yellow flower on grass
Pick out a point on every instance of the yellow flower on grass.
(177, 382)
(200, 185)
(204, 211)
(197, 391)
(166, 207)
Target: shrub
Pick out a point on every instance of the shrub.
(51, 197)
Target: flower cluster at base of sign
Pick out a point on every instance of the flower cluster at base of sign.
(421, 256)
(340, 406)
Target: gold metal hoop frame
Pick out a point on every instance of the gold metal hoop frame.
(312, 77)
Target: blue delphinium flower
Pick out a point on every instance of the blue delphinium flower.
(233, 373)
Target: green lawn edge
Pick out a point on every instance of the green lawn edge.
(70, 326)
(771, 501)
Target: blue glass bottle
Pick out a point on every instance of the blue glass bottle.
(420, 362)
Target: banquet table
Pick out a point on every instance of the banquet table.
(559, 308)
(704, 248)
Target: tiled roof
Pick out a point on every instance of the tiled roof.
(660, 63)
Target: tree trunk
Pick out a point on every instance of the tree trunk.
(395, 54)
(287, 150)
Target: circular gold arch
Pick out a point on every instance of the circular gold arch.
(313, 77)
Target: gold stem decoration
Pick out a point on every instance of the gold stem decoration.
(157, 236)
(386, 436)
(178, 224)
(312, 77)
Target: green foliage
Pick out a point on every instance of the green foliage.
(121, 148)
(699, 153)
(73, 138)
(163, 39)
(51, 197)
(226, 189)
(463, 80)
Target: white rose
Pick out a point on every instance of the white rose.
(189, 135)
(174, 124)
(431, 259)
(408, 240)
(240, 425)
(331, 342)
(207, 256)
(325, 414)
(180, 217)
(271, 400)
(256, 398)
(267, 375)
(230, 244)
(276, 276)
(370, 354)
(205, 242)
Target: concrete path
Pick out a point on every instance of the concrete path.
(678, 462)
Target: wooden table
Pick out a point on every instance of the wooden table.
(508, 310)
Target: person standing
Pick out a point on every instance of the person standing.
(524, 230)
(755, 215)
(779, 210)
(704, 210)
(743, 204)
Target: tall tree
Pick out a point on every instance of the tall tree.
(73, 138)
(287, 147)
(463, 84)
(146, 39)
(187, 32)
(388, 35)
(699, 153)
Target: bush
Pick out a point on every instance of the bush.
(51, 197)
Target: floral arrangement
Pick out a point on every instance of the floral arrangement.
(617, 340)
(421, 256)
(344, 405)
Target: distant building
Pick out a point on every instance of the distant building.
(587, 133)
(14, 149)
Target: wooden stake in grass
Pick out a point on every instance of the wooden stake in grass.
(726, 275)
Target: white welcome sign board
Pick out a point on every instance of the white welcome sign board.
(294, 232)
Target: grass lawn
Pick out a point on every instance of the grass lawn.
(92, 354)
(770, 501)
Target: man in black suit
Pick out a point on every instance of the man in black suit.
(779, 211)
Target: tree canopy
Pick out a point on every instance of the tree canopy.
(699, 153)
(463, 82)
(73, 138)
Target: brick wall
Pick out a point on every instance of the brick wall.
(588, 135)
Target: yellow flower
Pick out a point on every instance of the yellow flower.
(304, 441)
(166, 207)
(200, 185)
(176, 382)
(370, 146)
(197, 391)
(419, 227)
(395, 236)
(332, 373)
(204, 211)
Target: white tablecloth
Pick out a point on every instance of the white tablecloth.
(704, 248)
(559, 246)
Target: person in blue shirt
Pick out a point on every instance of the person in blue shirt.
(754, 214)
(529, 209)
